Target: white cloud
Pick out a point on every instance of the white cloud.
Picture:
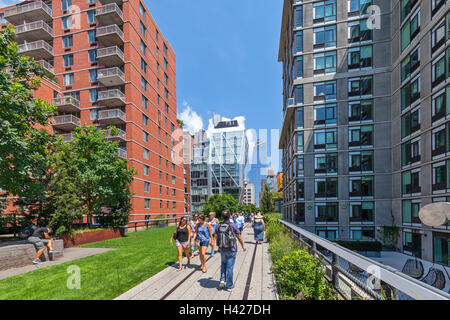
(193, 122)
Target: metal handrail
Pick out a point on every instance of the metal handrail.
(67, 137)
(109, 51)
(121, 153)
(47, 66)
(113, 93)
(102, 73)
(33, 26)
(28, 7)
(120, 134)
(109, 29)
(108, 8)
(113, 113)
(35, 45)
(66, 100)
(68, 118)
(408, 285)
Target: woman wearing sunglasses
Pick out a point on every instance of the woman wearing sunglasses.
(182, 235)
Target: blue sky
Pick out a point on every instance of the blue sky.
(227, 59)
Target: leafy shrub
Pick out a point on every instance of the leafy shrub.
(361, 245)
(300, 272)
(282, 245)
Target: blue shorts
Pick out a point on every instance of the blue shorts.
(204, 243)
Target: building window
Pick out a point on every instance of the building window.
(146, 187)
(144, 102)
(438, 35)
(410, 211)
(362, 233)
(410, 122)
(300, 166)
(324, 11)
(360, 57)
(143, 65)
(411, 152)
(325, 139)
(143, 47)
(361, 187)
(92, 56)
(411, 182)
(143, 28)
(441, 178)
(440, 140)
(360, 136)
(165, 48)
(66, 4)
(91, 16)
(410, 64)
(298, 18)
(67, 41)
(300, 118)
(325, 62)
(439, 104)
(145, 153)
(298, 91)
(68, 60)
(146, 170)
(145, 136)
(143, 83)
(68, 79)
(298, 42)
(67, 22)
(147, 204)
(91, 36)
(93, 75)
(441, 248)
(362, 86)
(412, 243)
(94, 114)
(360, 111)
(438, 69)
(410, 92)
(410, 29)
(326, 188)
(358, 6)
(326, 163)
(93, 95)
(325, 114)
(327, 212)
(300, 189)
(300, 147)
(141, 9)
(358, 31)
(360, 162)
(362, 212)
(298, 70)
(144, 120)
(406, 7)
(325, 37)
(325, 91)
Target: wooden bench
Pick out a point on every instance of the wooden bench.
(21, 253)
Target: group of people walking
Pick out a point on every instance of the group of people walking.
(200, 233)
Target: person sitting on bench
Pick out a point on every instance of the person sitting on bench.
(39, 238)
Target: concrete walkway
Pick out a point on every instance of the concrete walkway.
(192, 284)
(69, 255)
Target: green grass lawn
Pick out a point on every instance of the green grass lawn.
(136, 257)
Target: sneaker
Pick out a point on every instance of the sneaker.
(36, 261)
(229, 289)
(52, 251)
(222, 284)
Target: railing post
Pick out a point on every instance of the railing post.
(135, 227)
(313, 249)
(334, 270)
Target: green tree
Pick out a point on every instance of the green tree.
(64, 195)
(218, 203)
(104, 178)
(23, 147)
(267, 204)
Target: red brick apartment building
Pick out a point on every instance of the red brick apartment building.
(113, 67)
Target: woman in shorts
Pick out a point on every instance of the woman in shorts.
(203, 235)
(213, 222)
(182, 235)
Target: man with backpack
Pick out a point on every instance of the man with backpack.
(226, 234)
(39, 237)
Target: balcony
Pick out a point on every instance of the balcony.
(66, 122)
(120, 137)
(67, 104)
(110, 35)
(33, 11)
(38, 50)
(33, 31)
(110, 57)
(119, 2)
(122, 153)
(109, 14)
(111, 98)
(112, 117)
(67, 137)
(47, 66)
(111, 77)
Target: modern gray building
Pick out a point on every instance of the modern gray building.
(365, 133)
(200, 172)
(228, 154)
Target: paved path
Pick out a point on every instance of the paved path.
(69, 255)
(192, 284)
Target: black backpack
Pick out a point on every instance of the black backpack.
(27, 232)
(225, 236)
